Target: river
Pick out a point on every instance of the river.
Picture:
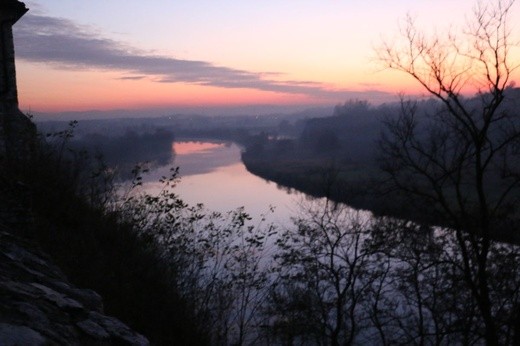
(212, 173)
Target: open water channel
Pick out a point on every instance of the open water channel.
(212, 173)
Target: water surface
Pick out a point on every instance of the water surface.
(212, 173)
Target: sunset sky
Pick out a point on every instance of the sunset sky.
(197, 54)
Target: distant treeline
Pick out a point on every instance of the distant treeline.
(348, 135)
(129, 148)
(338, 156)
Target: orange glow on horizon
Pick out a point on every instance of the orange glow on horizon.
(105, 90)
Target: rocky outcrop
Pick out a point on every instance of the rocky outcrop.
(38, 306)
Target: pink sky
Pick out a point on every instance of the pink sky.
(103, 55)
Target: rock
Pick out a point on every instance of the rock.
(38, 306)
(93, 329)
(89, 298)
(118, 330)
(13, 335)
(61, 300)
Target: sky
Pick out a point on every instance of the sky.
(164, 56)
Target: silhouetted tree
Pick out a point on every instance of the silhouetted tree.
(357, 107)
(461, 163)
(323, 277)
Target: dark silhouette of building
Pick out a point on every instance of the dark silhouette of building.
(15, 128)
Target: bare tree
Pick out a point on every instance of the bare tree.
(219, 261)
(324, 277)
(462, 161)
(420, 298)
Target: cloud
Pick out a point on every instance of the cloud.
(370, 85)
(64, 44)
(132, 77)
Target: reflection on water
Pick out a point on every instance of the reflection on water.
(203, 157)
(191, 147)
(213, 174)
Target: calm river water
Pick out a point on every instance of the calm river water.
(212, 173)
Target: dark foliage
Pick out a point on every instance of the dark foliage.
(68, 203)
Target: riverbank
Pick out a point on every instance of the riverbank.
(359, 185)
(355, 185)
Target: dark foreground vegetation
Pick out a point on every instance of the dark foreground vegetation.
(70, 204)
(122, 152)
(184, 275)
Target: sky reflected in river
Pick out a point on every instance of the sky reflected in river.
(212, 173)
(192, 147)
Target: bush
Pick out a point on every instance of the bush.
(74, 216)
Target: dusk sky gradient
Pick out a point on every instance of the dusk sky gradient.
(170, 55)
